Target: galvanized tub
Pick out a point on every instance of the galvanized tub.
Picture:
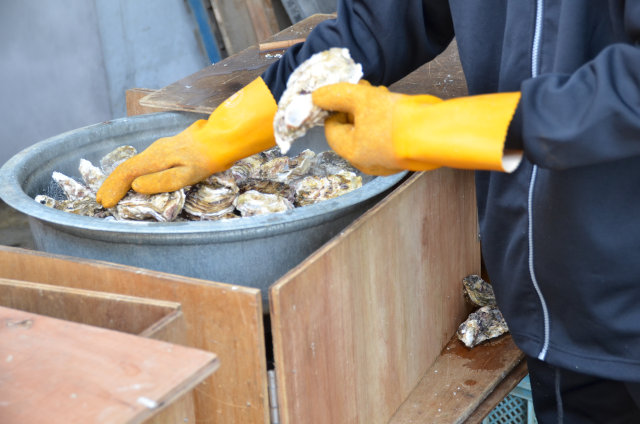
(252, 251)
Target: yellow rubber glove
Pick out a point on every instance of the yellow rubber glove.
(381, 132)
(241, 126)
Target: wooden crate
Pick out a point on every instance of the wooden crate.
(150, 318)
(354, 326)
(219, 318)
(58, 371)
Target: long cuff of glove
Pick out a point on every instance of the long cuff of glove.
(240, 126)
(466, 132)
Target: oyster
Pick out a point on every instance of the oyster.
(248, 167)
(329, 162)
(253, 202)
(312, 189)
(212, 199)
(72, 189)
(478, 292)
(268, 187)
(91, 175)
(111, 160)
(43, 199)
(276, 169)
(483, 324)
(486, 322)
(285, 169)
(271, 153)
(86, 206)
(296, 112)
(160, 207)
(301, 164)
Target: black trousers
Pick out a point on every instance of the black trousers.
(567, 397)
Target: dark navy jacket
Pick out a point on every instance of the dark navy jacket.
(560, 235)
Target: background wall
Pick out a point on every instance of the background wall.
(66, 64)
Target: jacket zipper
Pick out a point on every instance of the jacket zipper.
(535, 62)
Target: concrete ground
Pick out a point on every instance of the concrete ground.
(14, 228)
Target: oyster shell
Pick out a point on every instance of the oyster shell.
(248, 167)
(253, 202)
(91, 175)
(161, 207)
(276, 169)
(271, 153)
(313, 189)
(111, 160)
(286, 169)
(478, 292)
(212, 199)
(301, 164)
(72, 189)
(296, 112)
(484, 324)
(268, 187)
(329, 162)
(86, 206)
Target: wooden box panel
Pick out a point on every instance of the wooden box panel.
(358, 323)
(220, 318)
(58, 371)
(128, 314)
(150, 318)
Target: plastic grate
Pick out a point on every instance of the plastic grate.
(515, 408)
(512, 410)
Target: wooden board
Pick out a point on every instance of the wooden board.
(155, 319)
(57, 371)
(459, 381)
(133, 315)
(132, 101)
(359, 322)
(203, 91)
(243, 23)
(220, 318)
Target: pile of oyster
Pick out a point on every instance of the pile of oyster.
(487, 321)
(267, 182)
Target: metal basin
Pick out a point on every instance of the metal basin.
(252, 251)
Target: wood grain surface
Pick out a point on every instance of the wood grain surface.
(358, 323)
(114, 377)
(243, 23)
(460, 380)
(204, 90)
(220, 318)
(133, 315)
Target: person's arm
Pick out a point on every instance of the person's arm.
(388, 38)
(587, 117)
(241, 126)
(558, 121)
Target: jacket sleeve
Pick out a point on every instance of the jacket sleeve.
(587, 117)
(389, 38)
